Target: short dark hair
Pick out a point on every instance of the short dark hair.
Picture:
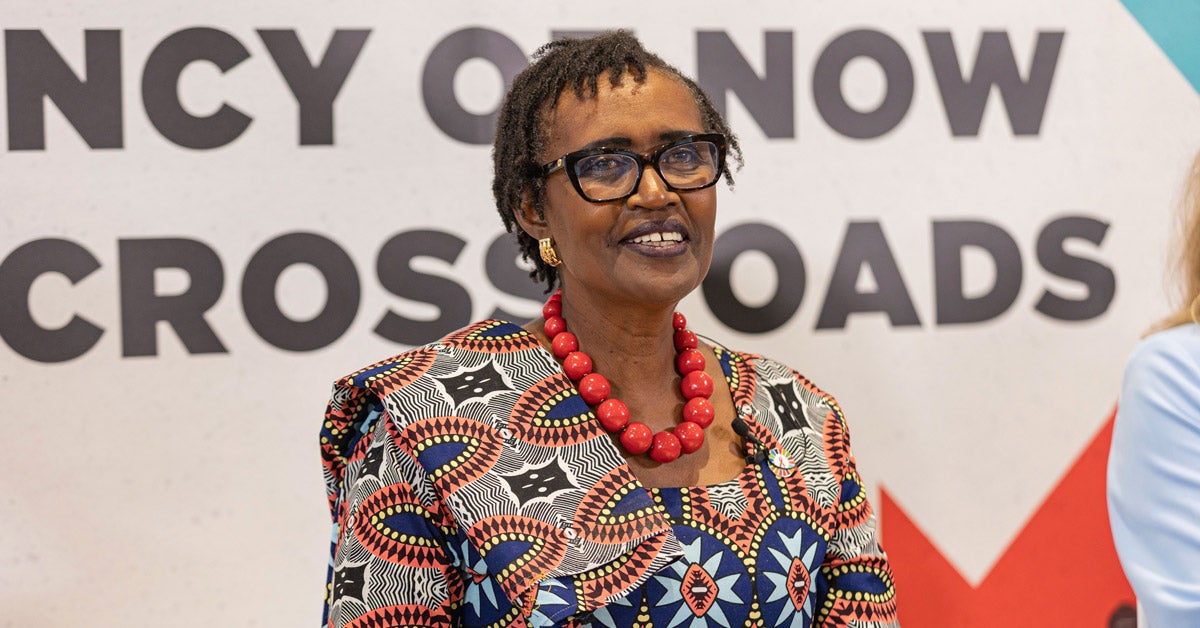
(521, 128)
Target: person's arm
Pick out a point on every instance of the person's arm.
(1154, 479)
(854, 583)
(390, 563)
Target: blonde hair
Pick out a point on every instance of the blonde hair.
(1187, 258)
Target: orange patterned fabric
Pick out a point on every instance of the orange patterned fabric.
(469, 484)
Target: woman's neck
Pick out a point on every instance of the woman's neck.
(630, 344)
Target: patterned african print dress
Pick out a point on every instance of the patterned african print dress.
(470, 485)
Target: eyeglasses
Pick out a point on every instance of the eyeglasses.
(600, 175)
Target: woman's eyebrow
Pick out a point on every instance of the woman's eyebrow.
(668, 136)
(622, 142)
(625, 142)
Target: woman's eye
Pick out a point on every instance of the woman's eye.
(601, 166)
(683, 156)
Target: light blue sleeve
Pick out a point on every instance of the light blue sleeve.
(1154, 477)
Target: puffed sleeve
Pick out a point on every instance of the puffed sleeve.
(1154, 477)
(390, 561)
(855, 584)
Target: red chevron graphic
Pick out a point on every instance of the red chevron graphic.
(1060, 571)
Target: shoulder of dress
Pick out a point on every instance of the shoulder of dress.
(1163, 372)
(486, 336)
(1182, 342)
(1172, 352)
(780, 397)
(771, 370)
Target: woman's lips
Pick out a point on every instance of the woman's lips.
(660, 238)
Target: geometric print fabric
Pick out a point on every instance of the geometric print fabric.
(470, 484)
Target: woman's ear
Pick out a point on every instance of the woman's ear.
(531, 220)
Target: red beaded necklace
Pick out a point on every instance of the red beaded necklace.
(613, 414)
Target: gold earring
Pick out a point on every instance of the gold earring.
(549, 255)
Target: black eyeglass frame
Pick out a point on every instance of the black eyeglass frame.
(567, 164)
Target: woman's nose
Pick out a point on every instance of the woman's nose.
(652, 192)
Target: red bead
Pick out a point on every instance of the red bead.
(594, 388)
(699, 410)
(685, 339)
(666, 448)
(613, 415)
(576, 365)
(696, 384)
(554, 326)
(636, 438)
(563, 344)
(689, 360)
(690, 435)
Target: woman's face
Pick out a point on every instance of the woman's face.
(612, 250)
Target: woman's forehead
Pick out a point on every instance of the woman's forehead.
(637, 111)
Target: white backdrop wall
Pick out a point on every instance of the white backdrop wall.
(200, 231)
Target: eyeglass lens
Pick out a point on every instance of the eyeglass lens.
(614, 175)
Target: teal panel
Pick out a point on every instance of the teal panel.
(1175, 27)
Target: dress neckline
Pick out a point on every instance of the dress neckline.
(740, 392)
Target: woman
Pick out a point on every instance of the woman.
(599, 466)
(1154, 464)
